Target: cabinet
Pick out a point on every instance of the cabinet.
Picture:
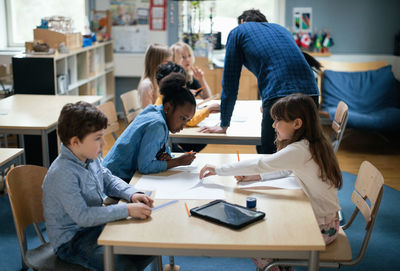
(83, 71)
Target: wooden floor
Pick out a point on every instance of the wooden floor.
(356, 146)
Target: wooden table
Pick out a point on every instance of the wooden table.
(35, 115)
(8, 157)
(246, 132)
(289, 229)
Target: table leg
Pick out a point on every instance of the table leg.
(313, 262)
(108, 258)
(45, 149)
(21, 144)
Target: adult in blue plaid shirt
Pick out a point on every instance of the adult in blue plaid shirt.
(269, 51)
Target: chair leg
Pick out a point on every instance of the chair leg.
(171, 266)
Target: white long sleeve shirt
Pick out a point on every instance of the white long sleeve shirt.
(297, 158)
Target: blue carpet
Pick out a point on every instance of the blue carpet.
(383, 252)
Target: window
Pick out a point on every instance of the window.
(196, 14)
(24, 15)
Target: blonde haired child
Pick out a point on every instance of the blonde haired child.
(182, 54)
(306, 152)
(156, 54)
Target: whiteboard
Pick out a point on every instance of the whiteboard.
(130, 38)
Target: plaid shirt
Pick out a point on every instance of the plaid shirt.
(268, 50)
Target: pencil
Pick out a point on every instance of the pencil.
(187, 210)
(238, 156)
(199, 89)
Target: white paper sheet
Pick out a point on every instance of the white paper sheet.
(200, 191)
(283, 183)
(175, 183)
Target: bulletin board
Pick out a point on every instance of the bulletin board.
(130, 25)
(158, 14)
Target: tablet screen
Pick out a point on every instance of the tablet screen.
(229, 214)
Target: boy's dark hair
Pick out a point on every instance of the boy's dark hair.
(252, 15)
(165, 69)
(174, 90)
(79, 119)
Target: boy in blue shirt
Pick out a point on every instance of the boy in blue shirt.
(75, 187)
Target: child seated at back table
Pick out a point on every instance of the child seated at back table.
(75, 187)
(164, 70)
(143, 146)
(303, 149)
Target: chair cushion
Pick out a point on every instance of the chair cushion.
(43, 258)
(338, 250)
(373, 97)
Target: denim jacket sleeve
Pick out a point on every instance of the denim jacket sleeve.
(154, 138)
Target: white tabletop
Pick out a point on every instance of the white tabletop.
(8, 154)
(35, 111)
(245, 127)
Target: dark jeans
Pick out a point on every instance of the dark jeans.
(84, 250)
(267, 131)
(187, 147)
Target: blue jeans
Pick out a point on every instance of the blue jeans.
(83, 249)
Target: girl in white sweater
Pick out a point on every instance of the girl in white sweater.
(304, 150)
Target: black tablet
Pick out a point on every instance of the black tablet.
(231, 215)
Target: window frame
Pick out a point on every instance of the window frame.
(9, 43)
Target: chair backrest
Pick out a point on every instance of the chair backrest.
(345, 67)
(24, 187)
(368, 187)
(131, 103)
(108, 109)
(339, 124)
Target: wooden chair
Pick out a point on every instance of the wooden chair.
(339, 124)
(131, 103)
(24, 186)
(344, 67)
(108, 109)
(368, 188)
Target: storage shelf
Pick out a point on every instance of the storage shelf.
(83, 71)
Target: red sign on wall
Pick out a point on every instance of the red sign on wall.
(158, 14)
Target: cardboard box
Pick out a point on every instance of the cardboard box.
(53, 38)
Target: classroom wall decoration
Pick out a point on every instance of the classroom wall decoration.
(130, 25)
(302, 19)
(158, 14)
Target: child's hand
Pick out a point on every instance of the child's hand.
(213, 108)
(139, 210)
(164, 157)
(207, 170)
(186, 159)
(198, 73)
(139, 197)
(248, 178)
(213, 129)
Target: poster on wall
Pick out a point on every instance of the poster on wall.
(158, 14)
(302, 19)
(130, 25)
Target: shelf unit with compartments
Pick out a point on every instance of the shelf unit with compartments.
(83, 71)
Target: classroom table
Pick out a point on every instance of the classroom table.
(8, 157)
(244, 129)
(289, 230)
(35, 115)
